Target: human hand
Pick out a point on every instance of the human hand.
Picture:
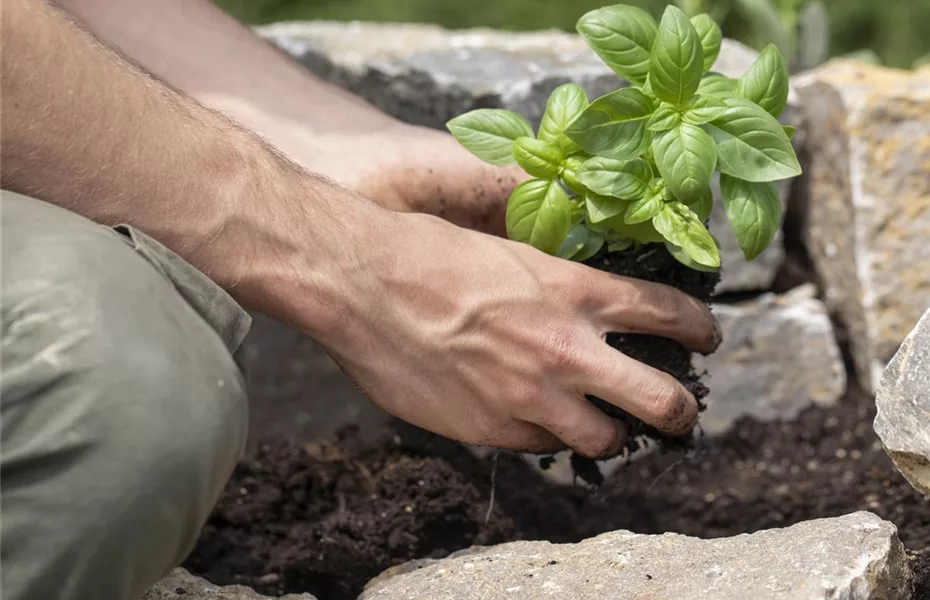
(491, 342)
(408, 168)
(326, 130)
(432, 173)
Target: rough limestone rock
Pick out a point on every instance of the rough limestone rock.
(903, 403)
(778, 357)
(181, 585)
(427, 75)
(868, 201)
(854, 557)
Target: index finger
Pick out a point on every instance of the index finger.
(627, 305)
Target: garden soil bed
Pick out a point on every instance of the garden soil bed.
(327, 517)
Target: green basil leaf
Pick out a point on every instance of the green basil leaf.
(766, 82)
(574, 242)
(489, 133)
(622, 36)
(703, 206)
(571, 169)
(751, 144)
(620, 245)
(715, 84)
(676, 62)
(647, 90)
(592, 245)
(644, 232)
(603, 227)
(685, 157)
(669, 224)
(539, 213)
(564, 105)
(711, 37)
(577, 211)
(538, 158)
(613, 125)
(679, 225)
(664, 118)
(682, 257)
(754, 211)
(703, 109)
(790, 131)
(644, 209)
(621, 179)
(600, 208)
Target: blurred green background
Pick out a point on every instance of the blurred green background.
(893, 32)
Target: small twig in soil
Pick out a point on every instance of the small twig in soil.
(487, 516)
(663, 473)
(645, 255)
(369, 478)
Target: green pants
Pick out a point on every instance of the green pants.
(122, 407)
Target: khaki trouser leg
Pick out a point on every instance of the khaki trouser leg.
(122, 409)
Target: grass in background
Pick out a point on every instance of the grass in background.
(896, 30)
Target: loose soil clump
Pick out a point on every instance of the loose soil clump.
(326, 518)
(655, 264)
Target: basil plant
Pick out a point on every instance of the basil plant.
(634, 167)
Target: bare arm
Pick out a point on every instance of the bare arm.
(203, 52)
(84, 129)
(471, 336)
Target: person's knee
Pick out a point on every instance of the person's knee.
(115, 393)
(167, 397)
(82, 308)
(96, 315)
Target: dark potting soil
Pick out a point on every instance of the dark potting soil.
(657, 265)
(326, 518)
(920, 565)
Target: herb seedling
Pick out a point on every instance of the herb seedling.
(634, 167)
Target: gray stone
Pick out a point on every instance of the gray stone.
(853, 557)
(867, 201)
(778, 357)
(181, 585)
(297, 391)
(903, 403)
(427, 75)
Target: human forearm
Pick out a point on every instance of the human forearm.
(197, 48)
(85, 130)
(203, 52)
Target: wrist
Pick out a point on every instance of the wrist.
(293, 242)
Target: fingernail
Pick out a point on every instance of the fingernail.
(687, 415)
(718, 333)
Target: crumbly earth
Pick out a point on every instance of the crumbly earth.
(921, 567)
(651, 263)
(326, 518)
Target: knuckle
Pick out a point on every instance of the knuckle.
(664, 402)
(573, 281)
(562, 350)
(598, 444)
(525, 397)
